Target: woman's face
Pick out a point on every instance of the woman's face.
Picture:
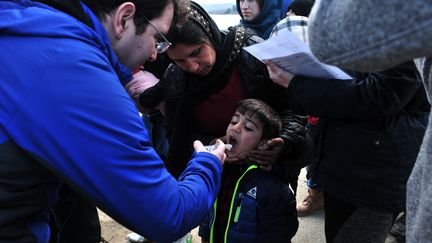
(249, 9)
(197, 59)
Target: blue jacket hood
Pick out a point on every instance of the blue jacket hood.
(18, 18)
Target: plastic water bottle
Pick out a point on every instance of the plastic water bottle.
(210, 148)
(135, 238)
(185, 239)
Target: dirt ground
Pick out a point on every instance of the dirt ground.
(311, 229)
(113, 232)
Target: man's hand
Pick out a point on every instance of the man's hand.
(267, 153)
(278, 75)
(218, 149)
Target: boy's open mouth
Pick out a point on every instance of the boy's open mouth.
(232, 141)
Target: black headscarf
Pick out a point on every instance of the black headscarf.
(227, 47)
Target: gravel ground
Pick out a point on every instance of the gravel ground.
(113, 232)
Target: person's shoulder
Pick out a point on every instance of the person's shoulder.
(268, 176)
(270, 184)
(173, 72)
(290, 23)
(251, 37)
(270, 190)
(173, 81)
(248, 35)
(56, 23)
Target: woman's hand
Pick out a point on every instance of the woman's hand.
(267, 153)
(141, 81)
(278, 75)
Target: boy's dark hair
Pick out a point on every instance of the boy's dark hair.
(149, 9)
(271, 122)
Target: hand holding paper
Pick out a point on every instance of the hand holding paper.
(278, 75)
(294, 56)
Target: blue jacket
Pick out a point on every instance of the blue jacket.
(262, 209)
(65, 116)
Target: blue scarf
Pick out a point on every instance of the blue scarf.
(283, 7)
(266, 19)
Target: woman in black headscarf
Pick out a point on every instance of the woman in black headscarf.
(210, 74)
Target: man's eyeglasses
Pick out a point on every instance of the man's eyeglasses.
(161, 46)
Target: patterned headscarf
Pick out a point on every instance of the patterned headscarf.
(227, 46)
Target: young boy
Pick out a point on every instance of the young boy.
(253, 205)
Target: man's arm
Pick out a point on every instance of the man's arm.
(78, 120)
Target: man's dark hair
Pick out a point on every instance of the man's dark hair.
(149, 9)
(271, 122)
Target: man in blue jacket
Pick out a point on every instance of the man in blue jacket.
(65, 117)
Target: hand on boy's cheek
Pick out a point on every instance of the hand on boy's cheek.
(268, 152)
(233, 160)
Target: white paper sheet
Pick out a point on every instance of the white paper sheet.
(294, 56)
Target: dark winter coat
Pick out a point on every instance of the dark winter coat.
(262, 208)
(370, 132)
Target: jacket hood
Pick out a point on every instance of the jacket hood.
(19, 18)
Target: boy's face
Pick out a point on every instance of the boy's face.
(244, 133)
